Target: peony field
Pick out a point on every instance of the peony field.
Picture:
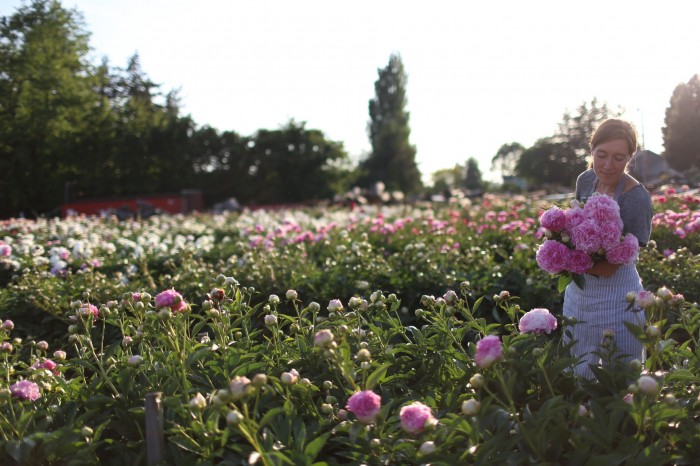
(406, 334)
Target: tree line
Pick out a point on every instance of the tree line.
(71, 128)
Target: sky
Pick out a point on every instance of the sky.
(480, 74)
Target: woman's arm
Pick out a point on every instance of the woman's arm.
(603, 268)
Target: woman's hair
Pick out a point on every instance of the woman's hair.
(612, 129)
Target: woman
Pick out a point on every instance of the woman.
(600, 307)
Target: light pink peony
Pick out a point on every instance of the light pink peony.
(537, 321)
(488, 351)
(171, 299)
(645, 299)
(625, 251)
(579, 262)
(25, 390)
(585, 236)
(552, 256)
(415, 417)
(364, 405)
(553, 219)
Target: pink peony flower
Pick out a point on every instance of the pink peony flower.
(415, 417)
(553, 219)
(7, 325)
(89, 309)
(625, 251)
(364, 405)
(171, 299)
(25, 390)
(602, 209)
(610, 234)
(5, 250)
(488, 351)
(645, 299)
(574, 216)
(537, 321)
(552, 256)
(585, 236)
(579, 262)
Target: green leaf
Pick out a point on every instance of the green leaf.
(314, 447)
(564, 281)
(377, 376)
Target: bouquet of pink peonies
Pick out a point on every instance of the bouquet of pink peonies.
(578, 237)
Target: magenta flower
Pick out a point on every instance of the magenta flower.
(25, 390)
(602, 209)
(610, 234)
(552, 256)
(488, 351)
(574, 216)
(537, 321)
(586, 237)
(625, 251)
(364, 405)
(553, 219)
(416, 417)
(579, 262)
(171, 299)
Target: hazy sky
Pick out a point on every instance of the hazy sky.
(480, 74)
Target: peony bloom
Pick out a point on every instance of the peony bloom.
(334, 305)
(5, 250)
(416, 417)
(579, 262)
(602, 209)
(7, 325)
(586, 237)
(364, 405)
(609, 233)
(537, 321)
(553, 219)
(25, 390)
(171, 299)
(552, 256)
(645, 299)
(89, 309)
(625, 251)
(488, 351)
(574, 217)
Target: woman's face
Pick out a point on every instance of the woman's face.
(610, 160)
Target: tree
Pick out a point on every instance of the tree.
(46, 100)
(682, 131)
(507, 158)
(472, 178)
(560, 158)
(446, 179)
(393, 159)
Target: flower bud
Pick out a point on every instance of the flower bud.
(86, 431)
(470, 407)
(427, 447)
(271, 320)
(477, 381)
(198, 403)
(135, 360)
(234, 418)
(648, 385)
(42, 346)
(291, 295)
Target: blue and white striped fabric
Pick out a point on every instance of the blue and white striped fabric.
(601, 306)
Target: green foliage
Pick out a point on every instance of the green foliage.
(681, 135)
(243, 376)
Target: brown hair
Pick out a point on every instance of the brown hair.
(612, 129)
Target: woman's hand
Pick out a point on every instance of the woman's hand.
(603, 268)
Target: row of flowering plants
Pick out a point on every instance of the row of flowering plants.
(261, 373)
(296, 382)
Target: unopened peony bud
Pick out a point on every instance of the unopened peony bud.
(471, 407)
(648, 385)
(198, 403)
(234, 418)
(291, 295)
(477, 381)
(427, 447)
(42, 346)
(271, 320)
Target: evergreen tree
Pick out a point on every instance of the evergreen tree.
(682, 131)
(393, 158)
(472, 179)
